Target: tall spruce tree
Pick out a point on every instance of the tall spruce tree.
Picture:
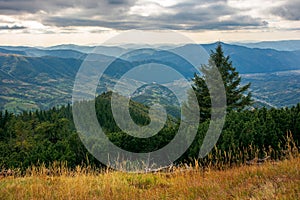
(237, 95)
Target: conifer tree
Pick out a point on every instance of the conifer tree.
(237, 95)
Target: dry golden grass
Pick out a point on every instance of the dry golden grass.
(279, 180)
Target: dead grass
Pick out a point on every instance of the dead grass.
(279, 180)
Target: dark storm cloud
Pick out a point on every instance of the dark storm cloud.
(33, 6)
(191, 15)
(290, 10)
(236, 22)
(118, 1)
(14, 27)
(66, 22)
(30, 6)
(199, 15)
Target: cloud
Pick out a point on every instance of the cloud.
(119, 2)
(73, 22)
(14, 27)
(193, 16)
(290, 10)
(183, 16)
(133, 14)
(34, 6)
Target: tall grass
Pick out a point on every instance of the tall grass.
(280, 180)
(236, 156)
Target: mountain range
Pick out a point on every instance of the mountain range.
(42, 77)
(283, 45)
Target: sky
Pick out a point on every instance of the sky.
(87, 22)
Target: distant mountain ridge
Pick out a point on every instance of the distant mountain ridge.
(283, 45)
(39, 78)
(8, 51)
(246, 60)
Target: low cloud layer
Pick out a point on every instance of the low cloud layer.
(14, 27)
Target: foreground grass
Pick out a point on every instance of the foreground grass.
(268, 181)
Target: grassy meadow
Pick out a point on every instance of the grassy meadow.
(270, 180)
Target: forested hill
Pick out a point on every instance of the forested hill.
(33, 138)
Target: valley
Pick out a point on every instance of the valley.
(40, 78)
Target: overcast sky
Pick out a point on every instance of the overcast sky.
(35, 22)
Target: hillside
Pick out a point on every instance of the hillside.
(35, 82)
(277, 89)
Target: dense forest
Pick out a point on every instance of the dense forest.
(42, 137)
(46, 136)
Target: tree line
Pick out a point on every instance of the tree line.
(33, 138)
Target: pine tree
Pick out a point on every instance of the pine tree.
(236, 96)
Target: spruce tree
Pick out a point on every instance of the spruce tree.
(237, 95)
